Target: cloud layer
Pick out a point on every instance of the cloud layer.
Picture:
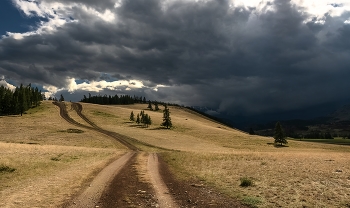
(228, 55)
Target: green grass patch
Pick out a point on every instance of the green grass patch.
(251, 201)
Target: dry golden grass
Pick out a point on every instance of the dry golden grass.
(50, 163)
(302, 174)
(47, 175)
(44, 126)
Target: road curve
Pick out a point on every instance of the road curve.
(77, 107)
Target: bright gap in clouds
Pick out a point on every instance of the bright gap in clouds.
(97, 86)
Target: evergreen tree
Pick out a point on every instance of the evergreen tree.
(156, 108)
(150, 105)
(61, 98)
(279, 135)
(138, 121)
(166, 118)
(132, 116)
(147, 120)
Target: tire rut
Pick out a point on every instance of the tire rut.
(78, 108)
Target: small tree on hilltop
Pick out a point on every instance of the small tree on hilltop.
(279, 136)
(166, 118)
(61, 98)
(132, 116)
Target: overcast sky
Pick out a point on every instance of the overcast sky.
(242, 57)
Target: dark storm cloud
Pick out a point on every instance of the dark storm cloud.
(245, 60)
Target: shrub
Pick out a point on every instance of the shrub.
(245, 182)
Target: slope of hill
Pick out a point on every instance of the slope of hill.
(199, 151)
(220, 156)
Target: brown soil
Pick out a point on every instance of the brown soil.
(127, 190)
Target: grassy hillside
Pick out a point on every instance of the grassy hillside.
(302, 174)
(44, 160)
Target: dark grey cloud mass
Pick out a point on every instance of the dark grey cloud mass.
(238, 60)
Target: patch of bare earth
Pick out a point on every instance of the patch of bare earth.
(127, 189)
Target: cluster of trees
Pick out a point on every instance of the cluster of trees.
(141, 117)
(19, 100)
(146, 120)
(156, 108)
(55, 99)
(113, 100)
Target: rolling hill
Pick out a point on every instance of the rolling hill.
(41, 146)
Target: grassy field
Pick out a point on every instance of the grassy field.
(305, 174)
(44, 160)
(308, 174)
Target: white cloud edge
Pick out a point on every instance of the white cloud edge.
(97, 86)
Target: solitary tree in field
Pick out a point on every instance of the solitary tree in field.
(132, 116)
(166, 118)
(279, 136)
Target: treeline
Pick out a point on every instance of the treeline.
(318, 135)
(113, 100)
(14, 102)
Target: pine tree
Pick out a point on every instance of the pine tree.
(149, 105)
(166, 118)
(61, 98)
(145, 120)
(138, 121)
(279, 136)
(132, 116)
(156, 108)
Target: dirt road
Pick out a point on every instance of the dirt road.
(119, 184)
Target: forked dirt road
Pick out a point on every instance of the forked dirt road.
(140, 179)
(119, 184)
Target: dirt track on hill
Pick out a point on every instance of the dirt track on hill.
(121, 184)
(118, 185)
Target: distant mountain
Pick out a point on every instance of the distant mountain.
(335, 122)
(340, 115)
